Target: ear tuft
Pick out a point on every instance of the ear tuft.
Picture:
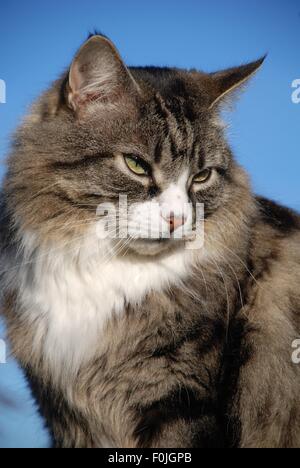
(96, 32)
(227, 81)
(98, 74)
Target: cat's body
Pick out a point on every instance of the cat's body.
(150, 344)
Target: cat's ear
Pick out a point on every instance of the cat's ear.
(98, 74)
(226, 82)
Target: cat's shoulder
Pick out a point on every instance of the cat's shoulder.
(281, 219)
(276, 243)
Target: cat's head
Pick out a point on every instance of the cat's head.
(152, 134)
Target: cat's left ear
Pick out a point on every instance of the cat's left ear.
(228, 81)
(98, 74)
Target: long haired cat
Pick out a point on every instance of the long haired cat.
(158, 341)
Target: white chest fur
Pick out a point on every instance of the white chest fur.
(72, 292)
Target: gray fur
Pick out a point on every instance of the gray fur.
(203, 363)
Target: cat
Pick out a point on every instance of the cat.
(148, 342)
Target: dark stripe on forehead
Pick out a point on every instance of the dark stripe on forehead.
(184, 131)
(167, 118)
(185, 126)
(174, 110)
(190, 134)
(174, 149)
(198, 154)
(201, 157)
(160, 107)
(158, 152)
(177, 122)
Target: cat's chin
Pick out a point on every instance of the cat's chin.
(155, 247)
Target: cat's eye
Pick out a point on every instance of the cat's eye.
(203, 176)
(137, 165)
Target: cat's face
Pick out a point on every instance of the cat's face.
(164, 156)
(152, 135)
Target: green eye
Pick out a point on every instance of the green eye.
(136, 165)
(203, 176)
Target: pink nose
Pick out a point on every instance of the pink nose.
(175, 221)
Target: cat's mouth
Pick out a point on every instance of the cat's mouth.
(156, 246)
(152, 247)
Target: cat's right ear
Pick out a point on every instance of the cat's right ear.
(98, 74)
(226, 82)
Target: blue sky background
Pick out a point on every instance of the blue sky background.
(39, 38)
